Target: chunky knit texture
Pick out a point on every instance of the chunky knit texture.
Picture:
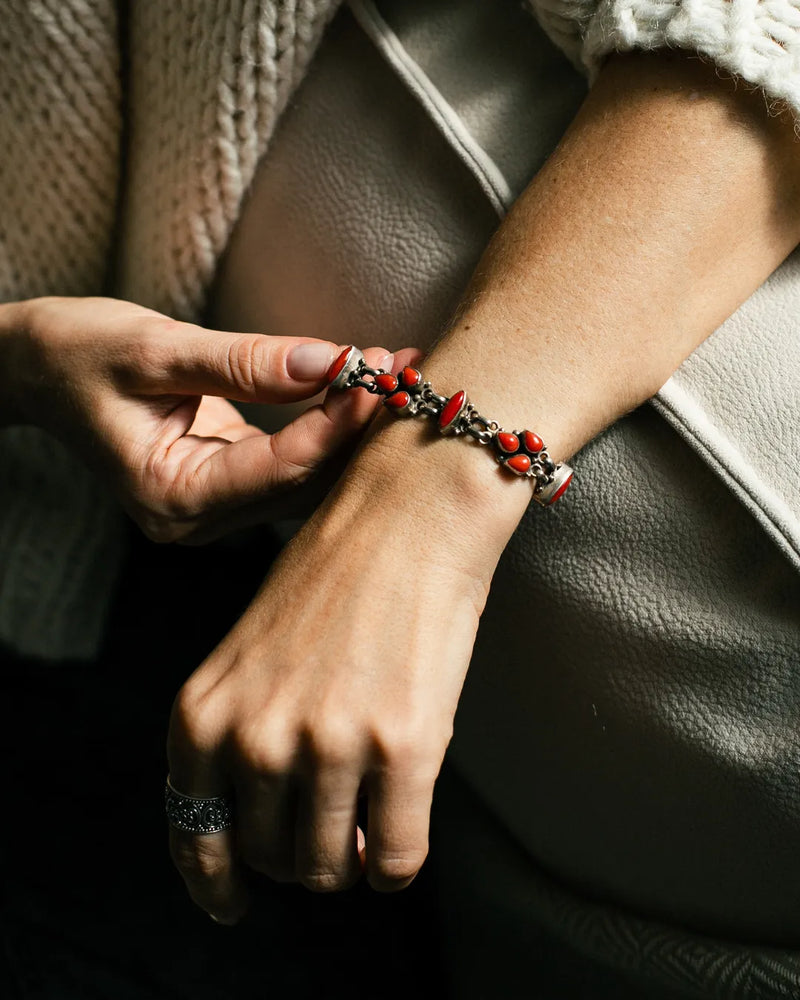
(207, 82)
(60, 127)
(757, 41)
(59, 130)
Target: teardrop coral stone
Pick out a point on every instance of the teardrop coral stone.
(338, 364)
(533, 443)
(388, 383)
(398, 401)
(452, 410)
(507, 442)
(519, 464)
(410, 377)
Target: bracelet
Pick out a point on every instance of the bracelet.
(522, 452)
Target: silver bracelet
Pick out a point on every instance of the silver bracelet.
(521, 452)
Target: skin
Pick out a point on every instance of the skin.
(671, 198)
(144, 400)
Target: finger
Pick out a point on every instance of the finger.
(322, 431)
(219, 476)
(211, 474)
(267, 814)
(213, 877)
(188, 360)
(208, 863)
(302, 446)
(327, 845)
(350, 411)
(397, 831)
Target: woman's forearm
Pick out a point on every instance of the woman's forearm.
(670, 199)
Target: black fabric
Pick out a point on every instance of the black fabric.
(92, 907)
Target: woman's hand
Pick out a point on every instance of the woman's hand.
(143, 398)
(341, 681)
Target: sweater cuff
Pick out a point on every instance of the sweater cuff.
(756, 40)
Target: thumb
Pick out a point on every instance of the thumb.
(247, 367)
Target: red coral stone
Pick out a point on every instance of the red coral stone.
(560, 491)
(338, 364)
(507, 441)
(452, 410)
(398, 401)
(533, 443)
(519, 464)
(386, 382)
(410, 377)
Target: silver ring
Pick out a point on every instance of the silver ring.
(195, 815)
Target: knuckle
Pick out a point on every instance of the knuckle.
(395, 870)
(326, 881)
(157, 330)
(158, 500)
(155, 344)
(197, 718)
(289, 471)
(410, 747)
(332, 744)
(159, 483)
(161, 530)
(262, 750)
(247, 364)
(196, 862)
(46, 324)
(151, 336)
(51, 308)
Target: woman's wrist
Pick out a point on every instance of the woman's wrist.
(447, 494)
(408, 393)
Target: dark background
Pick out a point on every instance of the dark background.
(91, 905)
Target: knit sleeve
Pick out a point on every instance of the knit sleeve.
(755, 40)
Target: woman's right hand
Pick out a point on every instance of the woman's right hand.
(143, 399)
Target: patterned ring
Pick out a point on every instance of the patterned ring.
(193, 815)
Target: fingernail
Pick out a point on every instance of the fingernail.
(387, 363)
(221, 922)
(309, 362)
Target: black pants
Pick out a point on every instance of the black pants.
(91, 906)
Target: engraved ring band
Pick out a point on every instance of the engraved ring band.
(197, 815)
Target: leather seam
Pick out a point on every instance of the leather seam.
(749, 494)
(449, 123)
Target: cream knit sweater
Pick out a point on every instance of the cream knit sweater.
(124, 172)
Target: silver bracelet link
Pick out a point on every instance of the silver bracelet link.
(521, 452)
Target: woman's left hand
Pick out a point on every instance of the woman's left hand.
(340, 681)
